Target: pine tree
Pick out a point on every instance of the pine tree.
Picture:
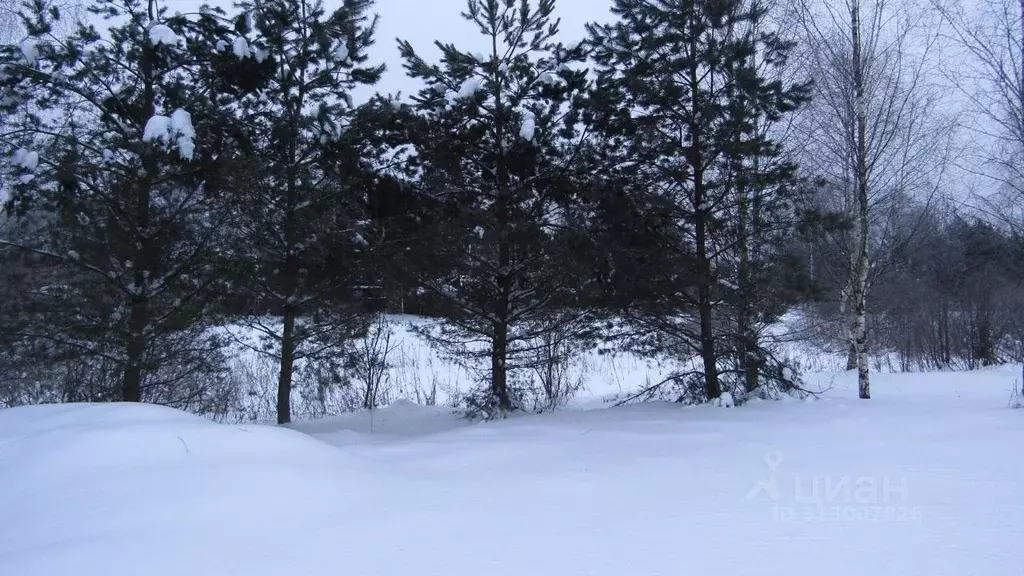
(112, 169)
(496, 151)
(302, 176)
(678, 98)
(768, 206)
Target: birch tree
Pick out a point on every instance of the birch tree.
(872, 132)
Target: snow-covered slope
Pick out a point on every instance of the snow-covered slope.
(924, 479)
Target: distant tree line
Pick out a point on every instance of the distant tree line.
(949, 298)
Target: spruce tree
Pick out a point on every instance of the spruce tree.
(301, 177)
(497, 150)
(678, 101)
(112, 168)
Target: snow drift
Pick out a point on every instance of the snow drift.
(924, 479)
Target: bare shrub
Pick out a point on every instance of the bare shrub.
(554, 358)
(371, 365)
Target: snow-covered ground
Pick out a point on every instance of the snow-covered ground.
(923, 479)
(417, 371)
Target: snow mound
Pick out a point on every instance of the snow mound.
(177, 128)
(548, 79)
(147, 490)
(87, 436)
(181, 126)
(162, 34)
(401, 418)
(529, 128)
(241, 47)
(726, 400)
(29, 52)
(470, 87)
(27, 159)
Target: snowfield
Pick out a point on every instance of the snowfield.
(923, 479)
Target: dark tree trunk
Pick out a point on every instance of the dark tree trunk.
(751, 363)
(986, 352)
(135, 349)
(707, 345)
(704, 302)
(284, 378)
(947, 348)
(499, 346)
(131, 385)
(499, 372)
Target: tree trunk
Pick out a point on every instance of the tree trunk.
(290, 312)
(704, 304)
(289, 279)
(707, 345)
(1020, 76)
(131, 384)
(986, 352)
(704, 296)
(844, 309)
(860, 335)
(284, 377)
(750, 357)
(499, 372)
(135, 349)
(499, 346)
(860, 281)
(947, 348)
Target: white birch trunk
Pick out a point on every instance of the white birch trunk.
(860, 268)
